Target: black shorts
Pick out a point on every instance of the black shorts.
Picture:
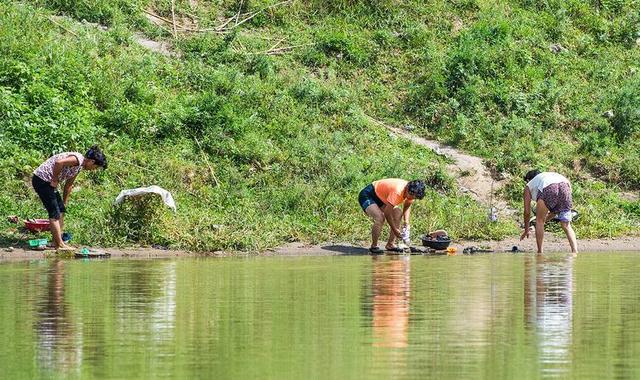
(49, 196)
(368, 196)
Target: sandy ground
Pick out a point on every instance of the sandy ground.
(553, 244)
(21, 254)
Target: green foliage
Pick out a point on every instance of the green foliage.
(99, 11)
(626, 119)
(140, 220)
(340, 42)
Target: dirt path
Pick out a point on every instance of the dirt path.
(470, 173)
(163, 48)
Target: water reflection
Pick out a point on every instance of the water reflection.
(59, 343)
(548, 303)
(391, 292)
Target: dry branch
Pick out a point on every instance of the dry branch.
(276, 44)
(283, 49)
(206, 160)
(173, 19)
(62, 26)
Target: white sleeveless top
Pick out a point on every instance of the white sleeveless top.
(45, 170)
(542, 180)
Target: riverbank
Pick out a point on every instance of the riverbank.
(553, 244)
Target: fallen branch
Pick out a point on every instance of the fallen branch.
(276, 44)
(239, 10)
(206, 160)
(182, 27)
(62, 26)
(251, 15)
(160, 18)
(132, 164)
(173, 19)
(254, 14)
(283, 49)
(222, 28)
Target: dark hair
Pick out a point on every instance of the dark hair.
(531, 174)
(94, 153)
(416, 188)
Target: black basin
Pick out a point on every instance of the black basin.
(438, 244)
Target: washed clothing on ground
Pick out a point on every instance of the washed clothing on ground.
(368, 196)
(49, 196)
(391, 190)
(45, 170)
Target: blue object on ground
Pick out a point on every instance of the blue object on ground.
(66, 236)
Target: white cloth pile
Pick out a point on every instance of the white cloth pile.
(164, 194)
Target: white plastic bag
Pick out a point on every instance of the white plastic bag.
(164, 194)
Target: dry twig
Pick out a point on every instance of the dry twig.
(276, 44)
(173, 19)
(62, 26)
(283, 49)
(206, 160)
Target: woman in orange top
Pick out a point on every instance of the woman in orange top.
(380, 200)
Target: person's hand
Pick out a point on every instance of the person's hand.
(525, 233)
(406, 232)
(54, 183)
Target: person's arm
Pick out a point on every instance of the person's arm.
(406, 212)
(61, 163)
(388, 214)
(527, 212)
(67, 189)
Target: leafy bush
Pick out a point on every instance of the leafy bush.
(99, 11)
(626, 119)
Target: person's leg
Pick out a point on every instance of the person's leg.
(62, 210)
(56, 233)
(49, 199)
(571, 236)
(397, 217)
(565, 203)
(541, 217)
(376, 214)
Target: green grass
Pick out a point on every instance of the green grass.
(288, 136)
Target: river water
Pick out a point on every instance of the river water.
(350, 317)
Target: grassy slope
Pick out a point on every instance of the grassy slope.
(287, 136)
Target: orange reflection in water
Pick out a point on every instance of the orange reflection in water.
(391, 292)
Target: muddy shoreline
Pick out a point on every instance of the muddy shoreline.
(553, 244)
